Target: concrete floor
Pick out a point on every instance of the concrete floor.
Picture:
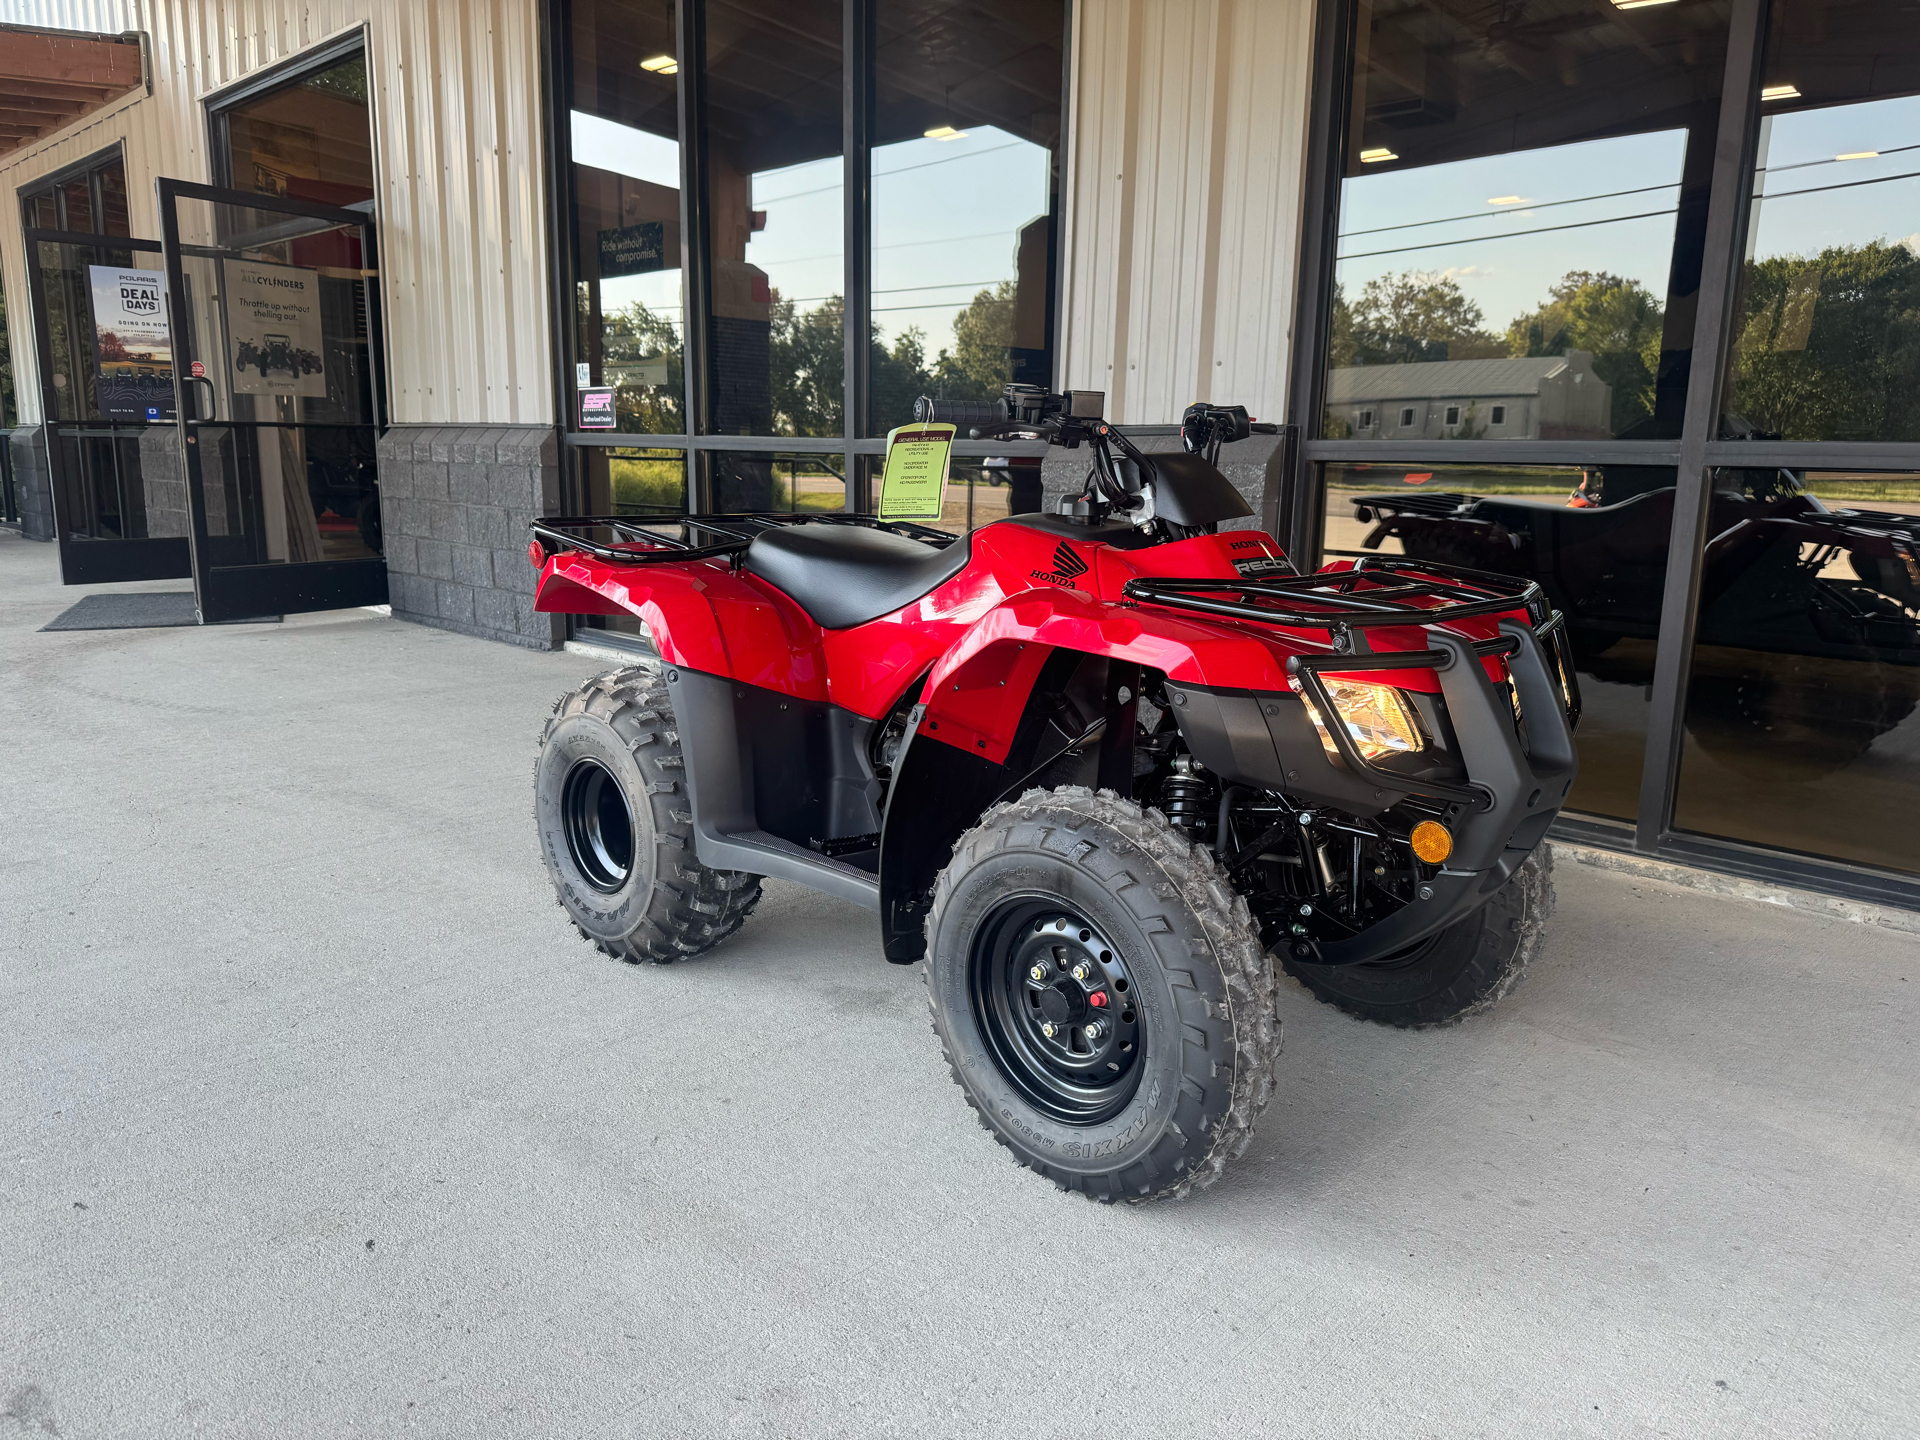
(316, 1119)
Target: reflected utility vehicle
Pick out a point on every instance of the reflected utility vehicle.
(1100, 769)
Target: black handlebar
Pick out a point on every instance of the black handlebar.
(959, 412)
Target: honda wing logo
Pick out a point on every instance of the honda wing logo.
(1067, 567)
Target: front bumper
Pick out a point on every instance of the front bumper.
(1503, 793)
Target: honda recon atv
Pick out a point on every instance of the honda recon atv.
(1098, 769)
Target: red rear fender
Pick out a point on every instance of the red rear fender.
(703, 616)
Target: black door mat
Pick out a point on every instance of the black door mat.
(138, 610)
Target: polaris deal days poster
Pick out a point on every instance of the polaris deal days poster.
(133, 350)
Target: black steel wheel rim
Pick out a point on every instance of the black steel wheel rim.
(599, 826)
(1054, 1000)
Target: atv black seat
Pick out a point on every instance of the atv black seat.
(844, 575)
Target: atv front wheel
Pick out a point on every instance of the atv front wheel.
(1101, 995)
(1454, 973)
(616, 828)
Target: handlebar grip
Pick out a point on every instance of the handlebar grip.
(959, 412)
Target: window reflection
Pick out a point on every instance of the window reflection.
(749, 480)
(968, 106)
(623, 480)
(1521, 220)
(624, 128)
(1825, 346)
(773, 126)
(308, 140)
(1801, 728)
(1595, 538)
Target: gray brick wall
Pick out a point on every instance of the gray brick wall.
(32, 483)
(454, 505)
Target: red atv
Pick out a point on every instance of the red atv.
(1096, 768)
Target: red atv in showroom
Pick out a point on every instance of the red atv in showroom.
(1099, 769)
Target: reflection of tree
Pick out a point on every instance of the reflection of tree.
(1413, 316)
(628, 337)
(111, 348)
(1615, 319)
(1827, 346)
(808, 366)
(981, 363)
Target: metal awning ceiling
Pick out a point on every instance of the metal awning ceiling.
(50, 78)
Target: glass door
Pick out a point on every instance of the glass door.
(107, 406)
(276, 308)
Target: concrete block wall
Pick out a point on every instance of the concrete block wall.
(32, 481)
(454, 504)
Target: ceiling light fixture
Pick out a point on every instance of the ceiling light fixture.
(1375, 154)
(660, 65)
(1507, 200)
(944, 132)
(1779, 92)
(1860, 155)
(1639, 4)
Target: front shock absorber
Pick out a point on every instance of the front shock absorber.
(1187, 797)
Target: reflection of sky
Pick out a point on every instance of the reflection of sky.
(1484, 247)
(947, 214)
(1834, 208)
(1442, 219)
(643, 155)
(946, 217)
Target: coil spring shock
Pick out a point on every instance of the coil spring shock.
(1187, 798)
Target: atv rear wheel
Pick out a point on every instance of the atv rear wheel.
(616, 829)
(1101, 995)
(1454, 973)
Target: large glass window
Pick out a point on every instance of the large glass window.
(1826, 331)
(1801, 724)
(1595, 537)
(1522, 210)
(310, 139)
(964, 171)
(773, 137)
(624, 127)
(93, 198)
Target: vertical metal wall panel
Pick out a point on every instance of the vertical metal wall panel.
(455, 91)
(1188, 124)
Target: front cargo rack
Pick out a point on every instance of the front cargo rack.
(734, 533)
(1332, 601)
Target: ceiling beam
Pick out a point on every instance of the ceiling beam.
(89, 60)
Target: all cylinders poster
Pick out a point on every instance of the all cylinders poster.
(133, 350)
(273, 329)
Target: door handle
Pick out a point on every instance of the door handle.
(212, 396)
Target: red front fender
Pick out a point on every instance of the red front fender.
(976, 695)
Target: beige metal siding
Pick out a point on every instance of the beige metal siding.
(1184, 181)
(456, 105)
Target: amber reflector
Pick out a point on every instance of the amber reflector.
(1431, 842)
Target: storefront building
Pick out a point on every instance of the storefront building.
(1620, 296)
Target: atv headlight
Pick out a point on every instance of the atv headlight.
(1377, 717)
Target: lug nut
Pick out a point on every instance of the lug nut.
(1082, 971)
(1047, 1029)
(1038, 972)
(1092, 1030)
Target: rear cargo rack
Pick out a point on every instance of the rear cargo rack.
(732, 534)
(1331, 601)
